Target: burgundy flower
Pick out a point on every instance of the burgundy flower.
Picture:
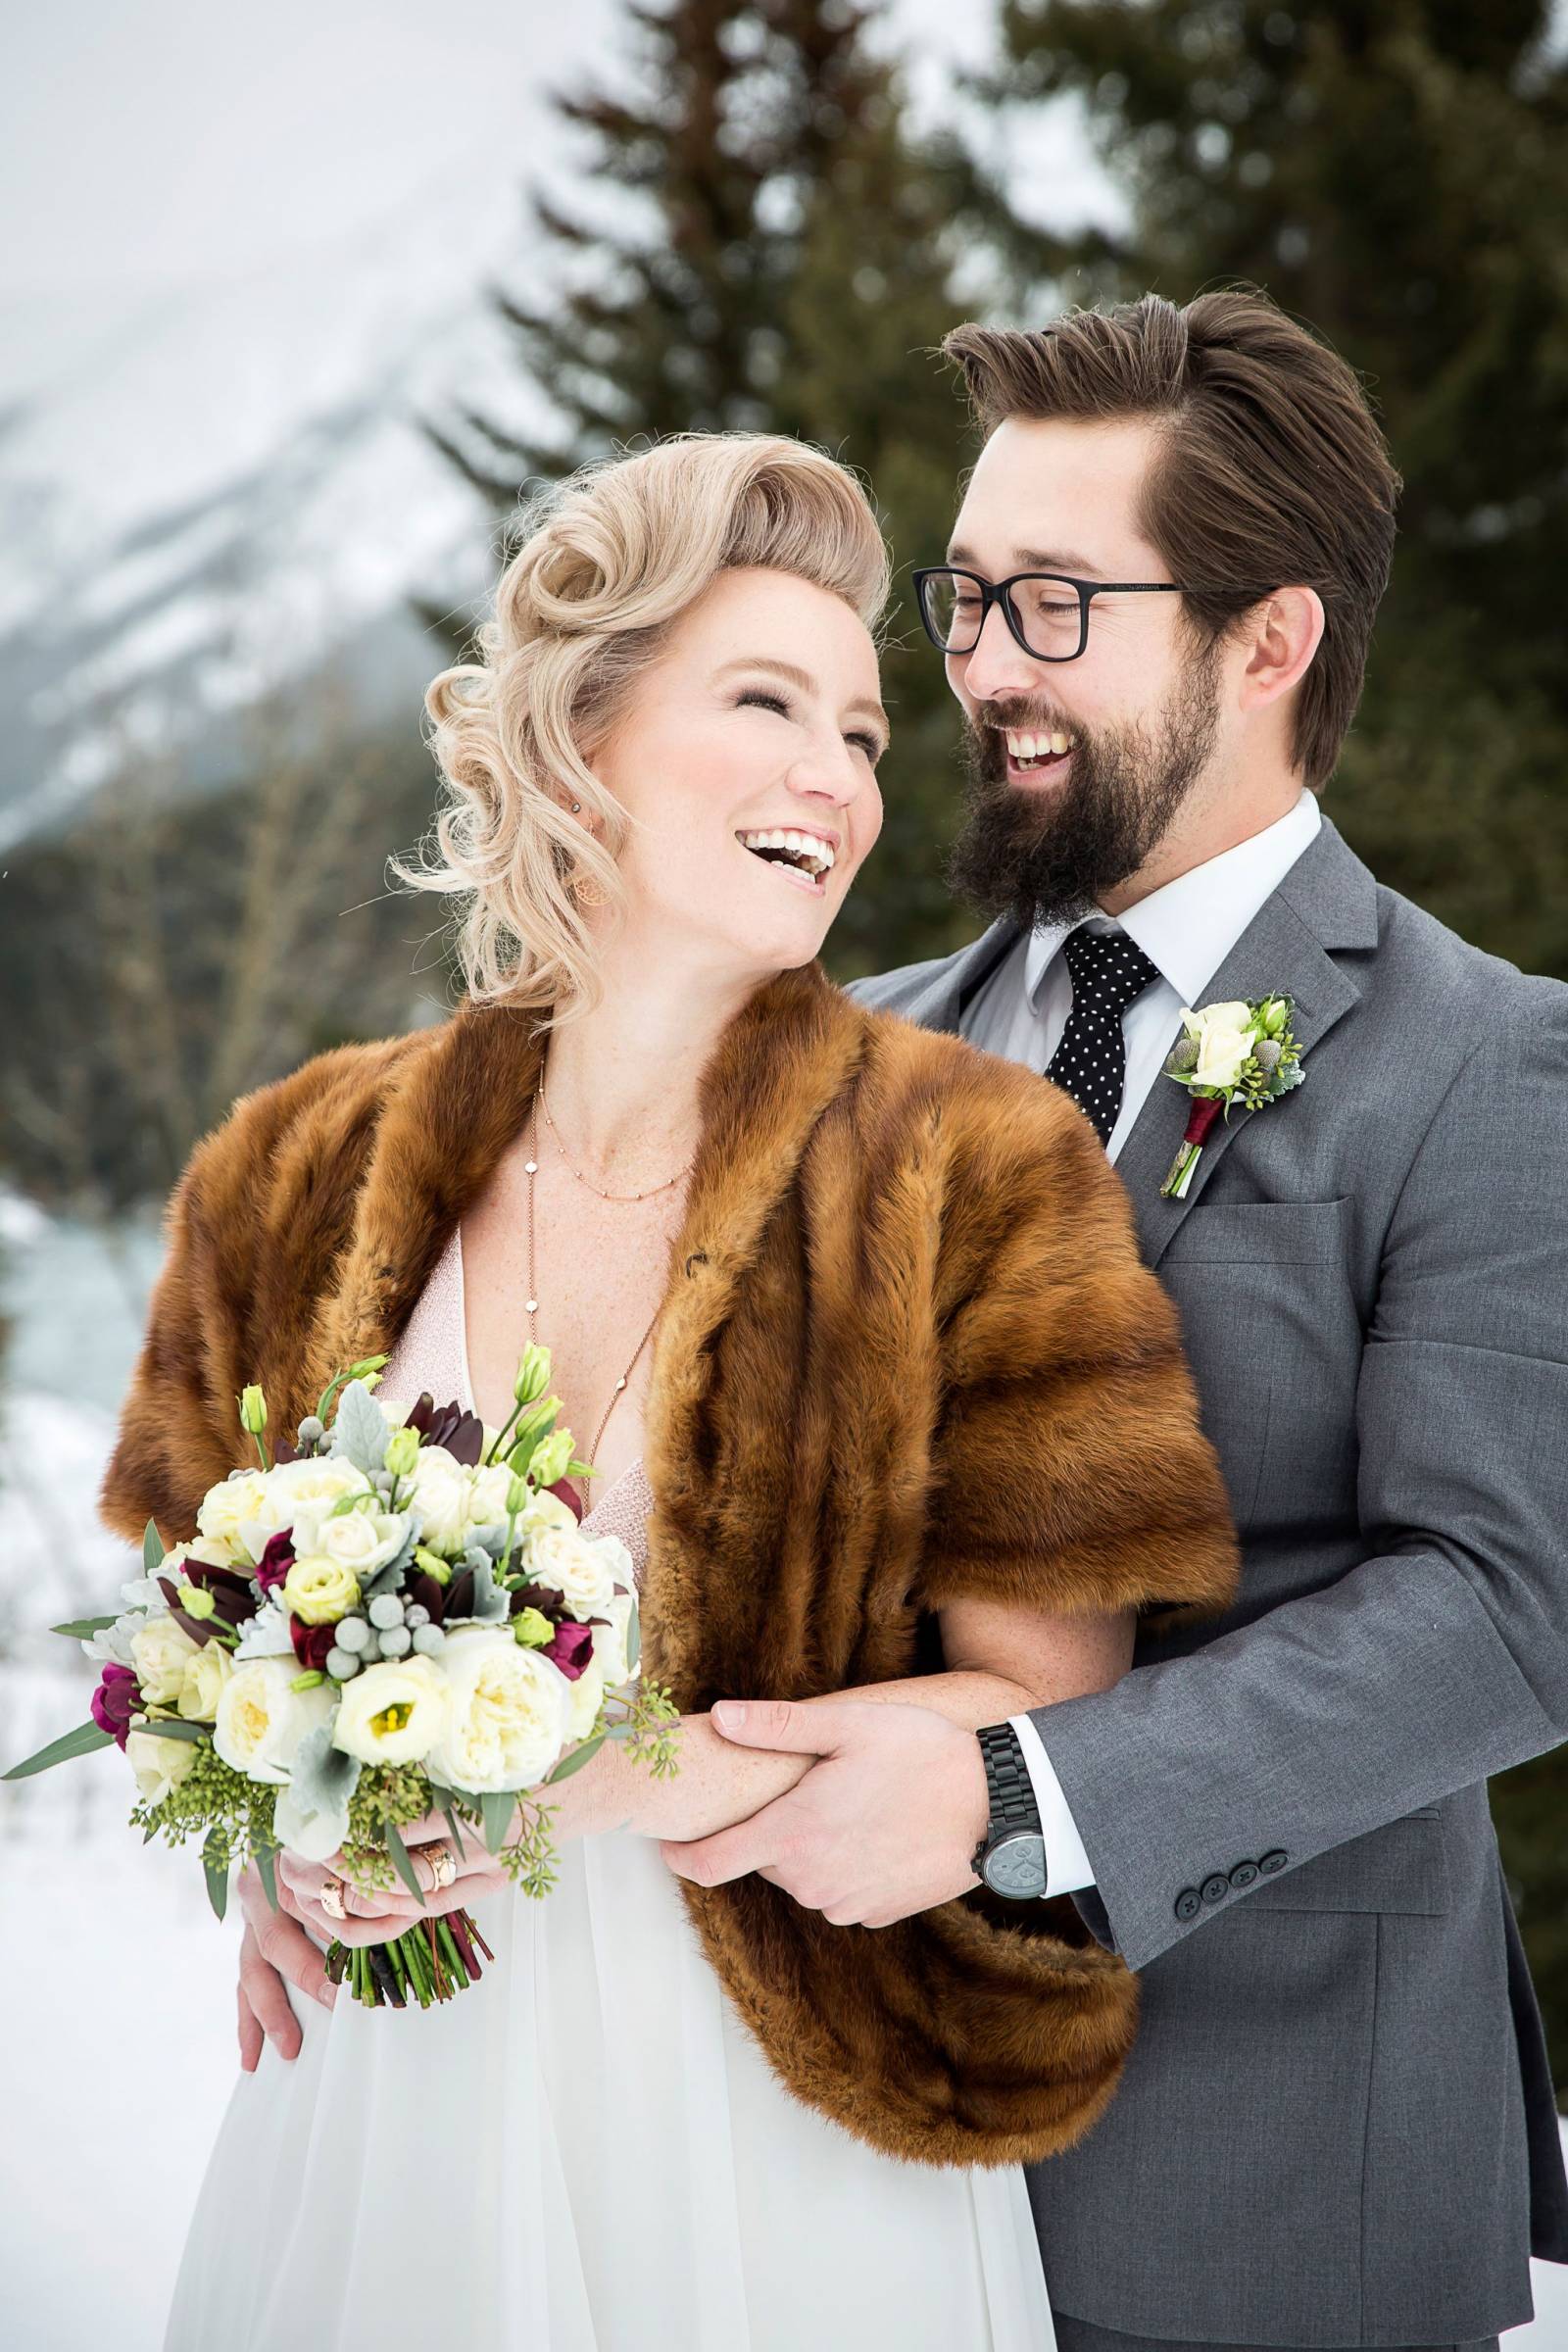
(115, 1700)
(276, 1561)
(312, 1643)
(571, 1650)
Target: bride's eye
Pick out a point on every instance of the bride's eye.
(764, 696)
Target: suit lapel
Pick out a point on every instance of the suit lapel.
(1327, 901)
(941, 1003)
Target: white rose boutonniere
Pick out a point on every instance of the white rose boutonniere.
(1240, 1051)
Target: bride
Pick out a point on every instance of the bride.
(851, 1322)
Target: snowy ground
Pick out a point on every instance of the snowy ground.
(117, 2028)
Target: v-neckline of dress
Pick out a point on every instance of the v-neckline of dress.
(632, 1469)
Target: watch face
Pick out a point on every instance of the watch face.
(1016, 1865)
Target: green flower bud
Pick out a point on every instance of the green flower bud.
(549, 1461)
(1276, 1012)
(533, 1628)
(516, 1495)
(433, 1564)
(402, 1452)
(197, 1601)
(533, 1375)
(252, 1412)
(309, 1681)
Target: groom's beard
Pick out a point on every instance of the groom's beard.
(1052, 858)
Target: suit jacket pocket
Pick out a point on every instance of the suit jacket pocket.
(1403, 1866)
(1246, 1232)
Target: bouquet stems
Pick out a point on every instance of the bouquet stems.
(433, 1959)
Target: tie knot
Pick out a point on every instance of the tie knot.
(1108, 969)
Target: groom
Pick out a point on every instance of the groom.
(1336, 2125)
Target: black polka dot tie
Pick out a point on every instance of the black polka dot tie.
(1108, 970)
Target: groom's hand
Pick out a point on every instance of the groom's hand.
(884, 1826)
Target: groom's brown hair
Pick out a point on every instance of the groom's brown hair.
(1271, 465)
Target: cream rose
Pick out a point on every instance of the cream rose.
(488, 1487)
(611, 1640)
(581, 1571)
(226, 1508)
(319, 1590)
(262, 1719)
(160, 1651)
(202, 1685)
(583, 1698)
(159, 1764)
(1223, 1034)
(441, 1495)
(298, 1495)
(393, 1712)
(364, 1541)
(506, 1723)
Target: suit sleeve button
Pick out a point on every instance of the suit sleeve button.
(1216, 1888)
(1189, 1904)
(1275, 1859)
(1244, 1874)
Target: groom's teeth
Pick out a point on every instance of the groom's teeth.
(1026, 745)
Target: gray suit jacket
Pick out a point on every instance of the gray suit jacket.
(1336, 2125)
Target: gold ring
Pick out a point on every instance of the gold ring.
(330, 1898)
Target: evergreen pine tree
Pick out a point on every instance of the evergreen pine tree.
(783, 261)
(1395, 171)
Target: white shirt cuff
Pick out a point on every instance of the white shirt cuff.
(1067, 1866)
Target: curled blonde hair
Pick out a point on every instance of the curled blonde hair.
(609, 560)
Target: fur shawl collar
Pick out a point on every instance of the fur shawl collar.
(907, 1352)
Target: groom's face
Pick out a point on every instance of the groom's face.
(1049, 830)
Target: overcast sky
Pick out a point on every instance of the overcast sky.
(143, 148)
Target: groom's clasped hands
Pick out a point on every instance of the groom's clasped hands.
(882, 1826)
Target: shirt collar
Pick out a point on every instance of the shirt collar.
(1188, 926)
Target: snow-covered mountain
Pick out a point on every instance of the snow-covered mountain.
(227, 485)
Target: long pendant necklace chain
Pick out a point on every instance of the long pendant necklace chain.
(531, 1302)
(623, 1198)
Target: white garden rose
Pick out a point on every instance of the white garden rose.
(319, 1590)
(202, 1683)
(583, 1698)
(160, 1651)
(489, 1486)
(545, 1511)
(261, 1718)
(581, 1571)
(506, 1723)
(1223, 1034)
(393, 1712)
(159, 1764)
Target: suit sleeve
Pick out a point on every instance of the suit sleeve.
(1071, 1472)
(1442, 1658)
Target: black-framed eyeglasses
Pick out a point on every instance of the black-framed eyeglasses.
(1050, 617)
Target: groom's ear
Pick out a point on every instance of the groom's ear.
(1283, 632)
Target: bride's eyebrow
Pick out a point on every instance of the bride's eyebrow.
(803, 683)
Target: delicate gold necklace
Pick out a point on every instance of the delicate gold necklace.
(530, 1168)
(623, 1198)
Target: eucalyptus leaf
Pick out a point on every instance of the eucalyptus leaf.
(634, 1640)
(152, 1549)
(360, 1428)
(495, 1805)
(400, 1861)
(174, 1727)
(217, 1875)
(267, 1871)
(578, 1758)
(79, 1742)
(82, 1629)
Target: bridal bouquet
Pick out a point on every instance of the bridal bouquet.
(395, 1615)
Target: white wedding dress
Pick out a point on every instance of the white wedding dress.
(584, 2152)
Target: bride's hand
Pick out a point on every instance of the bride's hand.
(378, 1917)
(275, 1952)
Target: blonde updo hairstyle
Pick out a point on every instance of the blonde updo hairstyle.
(609, 560)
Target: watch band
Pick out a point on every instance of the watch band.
(1013, 1805)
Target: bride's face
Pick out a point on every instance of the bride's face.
(747, 761)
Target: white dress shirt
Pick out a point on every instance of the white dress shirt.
(1187, 928)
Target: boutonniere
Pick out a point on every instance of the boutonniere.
(1236, 1052)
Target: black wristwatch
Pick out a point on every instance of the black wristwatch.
(1011, 1859)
